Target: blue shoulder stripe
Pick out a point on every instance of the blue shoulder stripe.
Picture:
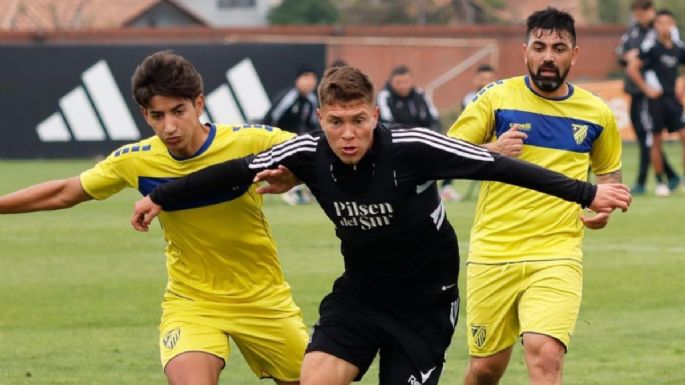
(147, 184)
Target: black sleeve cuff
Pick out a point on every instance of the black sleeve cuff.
(588, 195)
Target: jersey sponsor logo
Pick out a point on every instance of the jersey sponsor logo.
(479, 333)
(669, 61)
(171, 338)
(364, 216)
(96, 111)
(522, 126)
(579, 132)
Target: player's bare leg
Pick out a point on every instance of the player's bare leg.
(194, 368)
(544, 359)
(487, 370)
(319, 368)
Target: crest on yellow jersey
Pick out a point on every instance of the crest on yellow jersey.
(171, 338)
(579, 132)
(479, 334)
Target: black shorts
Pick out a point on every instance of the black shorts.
(666, 112)
(411, 340)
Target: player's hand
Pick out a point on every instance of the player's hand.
(279, 180)
(511, 142)
(144, 211)
(653, 93)
(611, 196)
(595, 222)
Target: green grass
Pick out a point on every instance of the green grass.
(80, 291)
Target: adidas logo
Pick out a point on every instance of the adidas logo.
(97, 111)
(98, 93)
(243, 99)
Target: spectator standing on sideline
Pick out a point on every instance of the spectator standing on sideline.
(224, 277)
(655, 71)
(643, 13)
(403, 105)
(294, 110)
(398, 295)
(524, 272)
(485, 74)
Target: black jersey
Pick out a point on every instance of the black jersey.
(395, 238)
(630, 40)
(660, 64)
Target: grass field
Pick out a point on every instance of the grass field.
(80, 290)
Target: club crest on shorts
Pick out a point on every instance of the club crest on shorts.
(171, 338)
(579, 132)
(479, 334)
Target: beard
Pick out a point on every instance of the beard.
(548, 83)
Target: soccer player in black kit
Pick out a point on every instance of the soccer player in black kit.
(398, 295)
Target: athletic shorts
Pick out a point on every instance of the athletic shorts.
(503, 301)
(666, 112)
(273, 346)
(412, 341)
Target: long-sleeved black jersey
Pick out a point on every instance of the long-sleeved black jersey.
(395, 238)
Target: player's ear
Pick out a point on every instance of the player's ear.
(525, 53)
(143, 111)
(199, 105)
(576, 51)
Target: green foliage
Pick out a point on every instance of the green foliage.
(80, 291)
(304, 12)
(380, 12)
(611, 11)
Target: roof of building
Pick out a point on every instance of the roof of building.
(23, 15)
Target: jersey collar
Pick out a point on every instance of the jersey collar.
(568, 94)
(205, 145)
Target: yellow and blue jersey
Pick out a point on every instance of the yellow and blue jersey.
(570, 135)
(217, 249)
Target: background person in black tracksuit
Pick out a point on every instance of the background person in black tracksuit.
(643, 13)
(655, 71)
(398, 296)
(404, 105)
(294, 110)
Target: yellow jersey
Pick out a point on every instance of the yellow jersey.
(570, 135)
(218, 249)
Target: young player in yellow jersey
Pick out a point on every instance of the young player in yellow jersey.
(224, 277)
(524, 273)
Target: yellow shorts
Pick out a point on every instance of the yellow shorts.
(272, 344)
(503, 301)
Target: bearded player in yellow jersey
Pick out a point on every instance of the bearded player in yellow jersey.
(524, 273)
(224, 277)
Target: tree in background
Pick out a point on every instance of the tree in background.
(304, 12)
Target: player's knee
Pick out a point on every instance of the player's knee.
(486, 371)
(545, 356)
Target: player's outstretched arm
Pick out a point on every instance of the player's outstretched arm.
(51, 195)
